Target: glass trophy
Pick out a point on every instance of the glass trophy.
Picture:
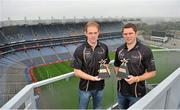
(104, 71)
(123, 71)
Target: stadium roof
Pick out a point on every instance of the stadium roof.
(51, 21)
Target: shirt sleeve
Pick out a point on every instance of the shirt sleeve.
(148, 61)
(117, 62)
(77, 60)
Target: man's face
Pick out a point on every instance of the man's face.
(92, 34)
(129, 35)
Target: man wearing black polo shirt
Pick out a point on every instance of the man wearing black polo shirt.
(86, 65)
(139, 65)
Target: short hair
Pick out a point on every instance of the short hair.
(91, 23)
(130, 25)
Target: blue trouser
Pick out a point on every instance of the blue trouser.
(84, 97)
(125, 102)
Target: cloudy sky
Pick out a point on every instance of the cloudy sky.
(32, 9)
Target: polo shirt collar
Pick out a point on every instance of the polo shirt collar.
(135, 47)
(88, 46)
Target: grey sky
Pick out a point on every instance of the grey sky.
(32, 9)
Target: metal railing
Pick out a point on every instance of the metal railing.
(164, 96)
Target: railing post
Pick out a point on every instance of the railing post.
(30, 103)
(167, 98)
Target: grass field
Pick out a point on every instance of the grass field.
(52, 70)
(64, 93)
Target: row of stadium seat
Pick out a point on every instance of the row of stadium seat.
(42, 31)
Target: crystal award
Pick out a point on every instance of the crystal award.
(123, 71)
(104, 71)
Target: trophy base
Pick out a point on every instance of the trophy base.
(104, 75)
(122, 75)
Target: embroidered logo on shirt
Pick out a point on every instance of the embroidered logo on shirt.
(136, 57)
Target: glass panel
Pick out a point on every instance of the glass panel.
(64, 94)
(166, 63)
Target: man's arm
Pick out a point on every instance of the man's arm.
(147, 75)
(85, 76)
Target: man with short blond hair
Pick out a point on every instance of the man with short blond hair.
(86, 65)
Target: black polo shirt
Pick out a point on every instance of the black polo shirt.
(87, 60)
(140, 59)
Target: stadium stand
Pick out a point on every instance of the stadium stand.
(24, 46)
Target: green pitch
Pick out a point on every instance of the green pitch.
(52, 70)
(64, 93)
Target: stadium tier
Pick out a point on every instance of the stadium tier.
(24, 46)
